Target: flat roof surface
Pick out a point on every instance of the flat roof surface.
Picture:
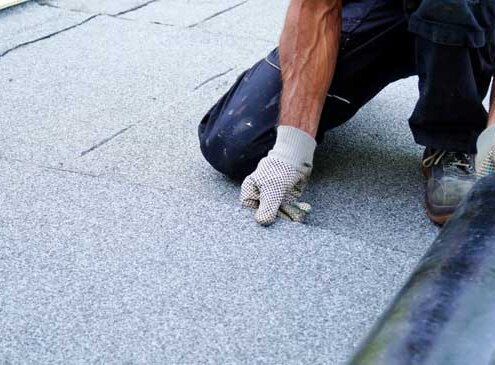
(119, 243)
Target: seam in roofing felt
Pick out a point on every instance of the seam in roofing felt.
(106, 140)
(44, 3)
(159, 23)
(217, 14)
(45, 167)
(47, 36)
(213, 78)
(75, 172)
(136, 8)
(48, 5)
(112, 177)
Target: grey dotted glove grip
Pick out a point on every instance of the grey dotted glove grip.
(485, 159)
(280, 178)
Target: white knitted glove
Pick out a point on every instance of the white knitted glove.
(485, 159)
(280, 178)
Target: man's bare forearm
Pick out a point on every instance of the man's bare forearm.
(309, 48)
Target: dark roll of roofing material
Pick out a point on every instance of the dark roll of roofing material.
(446, 312)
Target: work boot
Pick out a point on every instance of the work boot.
(450, 176)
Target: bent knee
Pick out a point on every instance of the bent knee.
(234, 158)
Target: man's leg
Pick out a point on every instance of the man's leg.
(376, 49)
(453, 81)
(240, 128)
(455, 64)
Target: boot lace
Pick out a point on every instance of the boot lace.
(457, 159)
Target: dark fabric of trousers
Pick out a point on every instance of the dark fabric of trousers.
(376, 50)
(454, 22)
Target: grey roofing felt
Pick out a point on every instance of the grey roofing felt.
(94, 81)
(111, 7)
(184, 12)
(98, 270)
(118, 243)
(31, 21)
(251, 20)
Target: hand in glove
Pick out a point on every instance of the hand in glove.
(485, 159)
(280, 178)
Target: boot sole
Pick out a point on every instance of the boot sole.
(439, 219)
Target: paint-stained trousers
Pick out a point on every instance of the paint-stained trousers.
(377, 48)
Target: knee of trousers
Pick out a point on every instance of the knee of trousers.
(235, 155)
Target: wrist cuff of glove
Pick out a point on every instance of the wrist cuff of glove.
(485, 142)
(295, 147)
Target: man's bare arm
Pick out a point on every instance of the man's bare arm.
(308, 54)
(309, 48)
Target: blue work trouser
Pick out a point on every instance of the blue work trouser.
(377, 48)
